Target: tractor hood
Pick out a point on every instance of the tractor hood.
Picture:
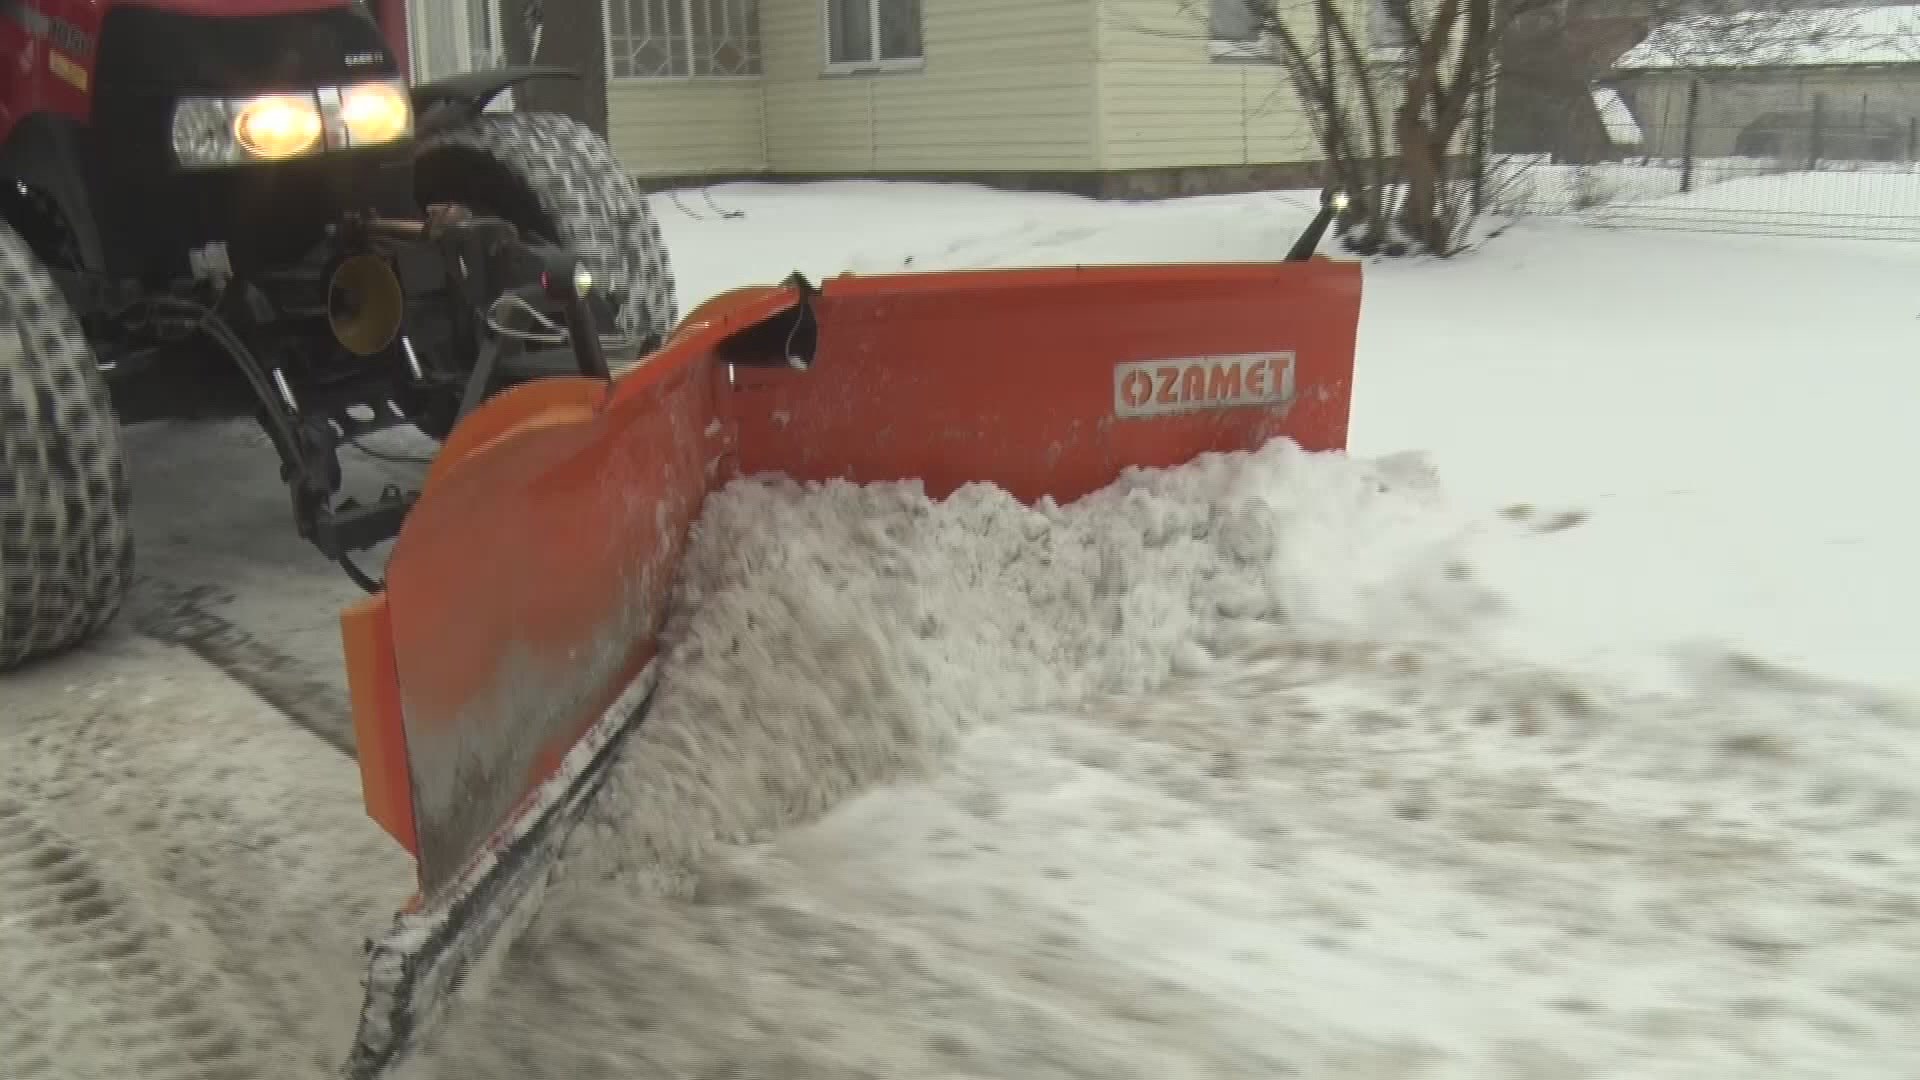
(238, 47)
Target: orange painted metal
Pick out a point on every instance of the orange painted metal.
(531, 578)
(543, 404)
(1008, 376)
(379, 737)
(526, 588)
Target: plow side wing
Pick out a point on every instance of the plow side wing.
(526, 590)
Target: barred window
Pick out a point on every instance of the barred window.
(874, 33)
(665, 39)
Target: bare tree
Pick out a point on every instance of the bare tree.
(1396, 92)
(1395, 98)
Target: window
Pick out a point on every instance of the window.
(874, 35)
(665, 39)
(1386, 24)
(1232, 20)
(1233, 31)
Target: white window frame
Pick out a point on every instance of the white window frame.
(1229, 49)
(440, 41)
(876, 65)
(758, 45)
(1382, 39)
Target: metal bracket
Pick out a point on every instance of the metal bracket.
(790, 339)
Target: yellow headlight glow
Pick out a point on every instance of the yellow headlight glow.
(278, 126)
(375, 112)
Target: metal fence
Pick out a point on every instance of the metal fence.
(1831, 154)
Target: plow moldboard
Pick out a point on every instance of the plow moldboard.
(527, 588)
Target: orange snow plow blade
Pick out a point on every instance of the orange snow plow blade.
(514, 640)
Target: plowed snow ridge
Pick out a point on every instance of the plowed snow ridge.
(1209, 775)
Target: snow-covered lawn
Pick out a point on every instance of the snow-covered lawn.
(1527, 742)
(1857, 200)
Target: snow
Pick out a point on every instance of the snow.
(1727, 412)
(1617, 116)
(1753, 196)
(1735, 464)
(1210, 774)
(184, 889)
(1804, 37)
(1563, 728)
(1860, 202)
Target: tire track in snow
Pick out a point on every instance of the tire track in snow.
(231, 580)
(182, 617)
(232, 845)
(117, 993)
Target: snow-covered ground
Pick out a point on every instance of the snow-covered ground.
(1865, 200)
(1276, 764)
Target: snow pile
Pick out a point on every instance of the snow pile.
(1214, 773)
(830, 639)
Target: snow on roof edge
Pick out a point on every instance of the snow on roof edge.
(1807, 37)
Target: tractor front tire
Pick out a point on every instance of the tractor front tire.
(66, 547)
(551, 175)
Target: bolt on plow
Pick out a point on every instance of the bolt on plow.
(487, 717)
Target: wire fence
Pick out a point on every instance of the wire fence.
(1834, 153)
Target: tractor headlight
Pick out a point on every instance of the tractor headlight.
(235, 131)
(211, 132)
(277, 127)
(376, 112)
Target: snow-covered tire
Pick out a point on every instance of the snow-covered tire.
(66, 548)
(551, 174)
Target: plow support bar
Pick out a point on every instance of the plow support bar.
(524, 593)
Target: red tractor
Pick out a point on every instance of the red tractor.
(237, 207)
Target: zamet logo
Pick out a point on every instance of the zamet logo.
(1158, 387)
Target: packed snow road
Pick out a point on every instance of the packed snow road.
(186, 875)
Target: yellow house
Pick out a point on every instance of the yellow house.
(1104, 97)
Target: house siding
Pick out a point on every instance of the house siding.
(685, 127)
(1007, 86)
(1114, 97)
(1164, 102)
